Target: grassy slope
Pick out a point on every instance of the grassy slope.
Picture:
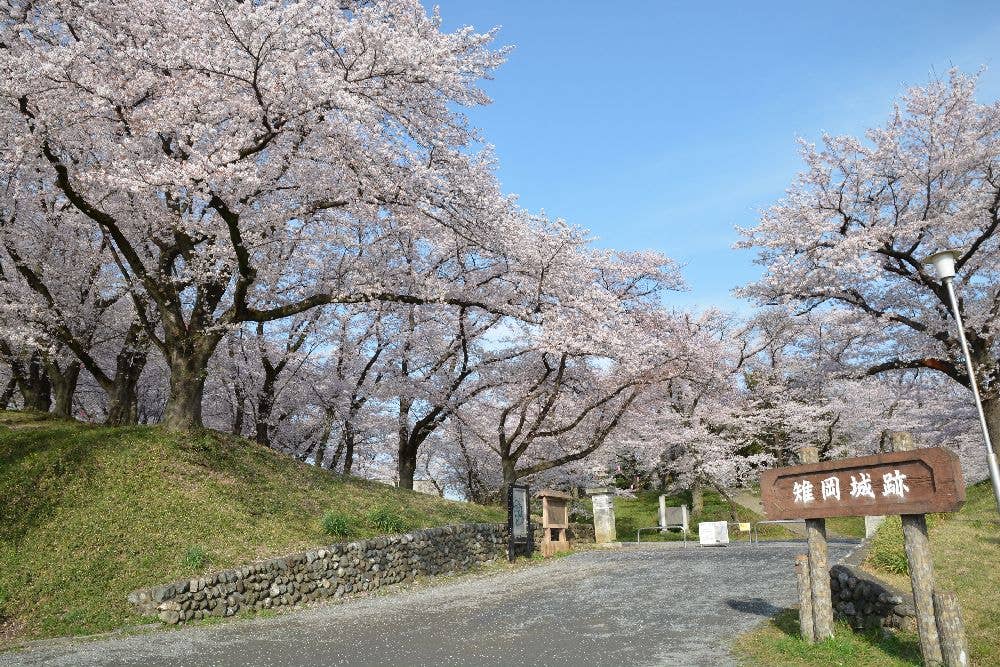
(91, 513)
(642, 512)
(966, 553)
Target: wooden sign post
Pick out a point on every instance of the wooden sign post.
(909, 482)
(805, 598)
(819, 566)
(918, 556)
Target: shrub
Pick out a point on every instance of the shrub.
(386, 520)
(338, 525)
(195, 557)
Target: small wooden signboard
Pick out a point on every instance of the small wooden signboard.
(555, 521)
(909, 482)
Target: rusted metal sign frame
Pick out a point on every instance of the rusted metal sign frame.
(932, 475)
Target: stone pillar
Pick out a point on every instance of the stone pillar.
(603, 500)
(872, 523)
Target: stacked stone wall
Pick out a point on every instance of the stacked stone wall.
(325, 573)
(578, 533)
(866, 602)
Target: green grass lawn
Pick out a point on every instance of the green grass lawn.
(966, 553)
(966, 550)
(846, 526)
(642, 512)
(91, 513)
(779, 642)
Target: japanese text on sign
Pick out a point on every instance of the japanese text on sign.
(911, 482)
(893, 484)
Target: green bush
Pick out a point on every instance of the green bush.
(386, 520)
(338, 525)
(195, 557)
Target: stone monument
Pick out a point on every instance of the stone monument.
(872, 523)
(674, 516)
(603, 499)
(555, 521)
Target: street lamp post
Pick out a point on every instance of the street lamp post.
(944, 264)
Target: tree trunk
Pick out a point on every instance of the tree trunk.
(349, 449)
(35, 387)
(697, 499)
(8, 393)
(188, 371)
(63, 387)
(265, 407)
(407, 469)
(991, 408)
(337, 453)
(732, 503)
(406, 459)
(323, 440)
(509, 475)
(123, 404)
(239, 411)
(123, 397)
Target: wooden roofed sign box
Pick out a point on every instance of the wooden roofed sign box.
(555, 521)
(919, 481)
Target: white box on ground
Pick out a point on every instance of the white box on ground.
(713, 533)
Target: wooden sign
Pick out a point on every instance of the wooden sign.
(519, 533)
(912, 482)
(555, 521)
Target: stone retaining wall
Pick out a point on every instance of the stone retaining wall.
(328, 572)
(578, 533)
(865, 602)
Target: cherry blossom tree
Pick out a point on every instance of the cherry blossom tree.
(348, 414)
(576, 377)
(62, 292)
(235, 185)
(440, 363)
(693, 429)
(852, 231)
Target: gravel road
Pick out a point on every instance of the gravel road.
(647, 605)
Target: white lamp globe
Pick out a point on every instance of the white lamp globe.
(944, 263)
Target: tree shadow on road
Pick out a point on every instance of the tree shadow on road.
(758, 606)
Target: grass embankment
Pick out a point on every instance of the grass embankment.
(966, 551)
(643, 512)
(91, 513)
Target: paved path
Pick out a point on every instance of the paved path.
(648, 605)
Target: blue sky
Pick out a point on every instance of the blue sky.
(665, 124)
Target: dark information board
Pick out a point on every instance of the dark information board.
(519, 531)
